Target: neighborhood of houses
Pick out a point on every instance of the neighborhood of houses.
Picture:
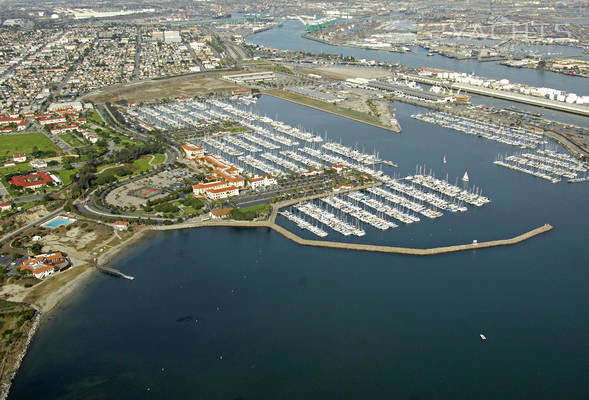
(70, 62)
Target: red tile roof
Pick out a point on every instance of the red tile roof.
(25, 181)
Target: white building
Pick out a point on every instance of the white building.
(38, 163)
(262, 182)
(222, 193)
(172, 37)
(193, 151)
(74, 105)
(121, 225)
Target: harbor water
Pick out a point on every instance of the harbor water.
(234, 313)
(288, 37)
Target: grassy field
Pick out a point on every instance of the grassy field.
(328, 107)
(250, 213)
(14, 144)
(20, 168)
(71, 140)
(159, 159)
(67, 175)
(142, 164)
(125, 141)
(95, 117)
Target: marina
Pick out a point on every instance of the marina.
(302, 223)
(272, 147)
(393, 212)
(473, 197)
(513, 136)
(358, 212)
(546, 164)
(329, 219)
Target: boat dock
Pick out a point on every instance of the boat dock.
(114, 272)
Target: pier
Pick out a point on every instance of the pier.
(114, 272)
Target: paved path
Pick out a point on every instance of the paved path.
(4, 195)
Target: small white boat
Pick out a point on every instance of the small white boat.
(483, 337)
(465, 177)
(444, 160)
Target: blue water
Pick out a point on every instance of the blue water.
(288, 37)
(54, 223)
(227, 313)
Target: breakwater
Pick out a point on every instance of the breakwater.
(412, 251)
(270, 223)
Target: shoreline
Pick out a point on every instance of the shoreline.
(47, 303)
(277, 94)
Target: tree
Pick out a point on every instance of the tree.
(36, 248)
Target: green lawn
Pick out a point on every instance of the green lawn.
(250, 213)
(102, 167)
(67, 175)
(94, 117)
(17, 169)
(14, 144)
(126, 141)
(263, 208)
(142, 163)
(159, 159)
(71, 140)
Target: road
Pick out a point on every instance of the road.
(65, 79)
(4, 195)
(137, 54)
(194, 57)
(30, 225)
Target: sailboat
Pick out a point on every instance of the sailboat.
(444, 159)
(465, 177)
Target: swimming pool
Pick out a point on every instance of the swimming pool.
(58, 221)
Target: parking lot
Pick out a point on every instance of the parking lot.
(164, 182)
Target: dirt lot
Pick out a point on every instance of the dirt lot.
(22, 218)
(187, 85)
(348, 72)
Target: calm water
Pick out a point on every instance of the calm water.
(288, 37)
(246, 314)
